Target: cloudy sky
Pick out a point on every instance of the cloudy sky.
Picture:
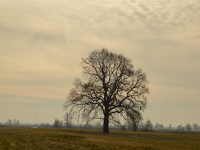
(42, 43)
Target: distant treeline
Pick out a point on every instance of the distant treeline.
(10, 122)
(67, 123)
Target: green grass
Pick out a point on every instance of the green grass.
(75, 139)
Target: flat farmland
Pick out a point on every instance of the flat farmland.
(78, 139)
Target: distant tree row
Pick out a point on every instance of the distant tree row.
(10, 122)
(188, 127)
(159, 126)
(148, 126)
(133, 121)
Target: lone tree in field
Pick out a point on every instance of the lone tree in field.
(112, 87)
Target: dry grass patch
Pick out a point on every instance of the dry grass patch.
(74, 139)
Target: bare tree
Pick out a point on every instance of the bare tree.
(133, 119)
(112, 87)
(180, 127)
(170, 126)
(87, 120)
(57, 123)
(147, 126)
(9, 122)
(68, 117)
(188, 127)
(196, 126)
(17, 123)
(159, 126)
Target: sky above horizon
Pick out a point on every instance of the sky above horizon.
(42, 43)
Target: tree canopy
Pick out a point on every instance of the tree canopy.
(110, 86)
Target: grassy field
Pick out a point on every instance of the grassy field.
(75, 139)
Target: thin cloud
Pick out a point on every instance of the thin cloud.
(43, 42)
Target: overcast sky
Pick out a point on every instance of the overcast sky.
(42, 43)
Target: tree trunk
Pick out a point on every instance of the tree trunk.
(135, 127)
(106, 122)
